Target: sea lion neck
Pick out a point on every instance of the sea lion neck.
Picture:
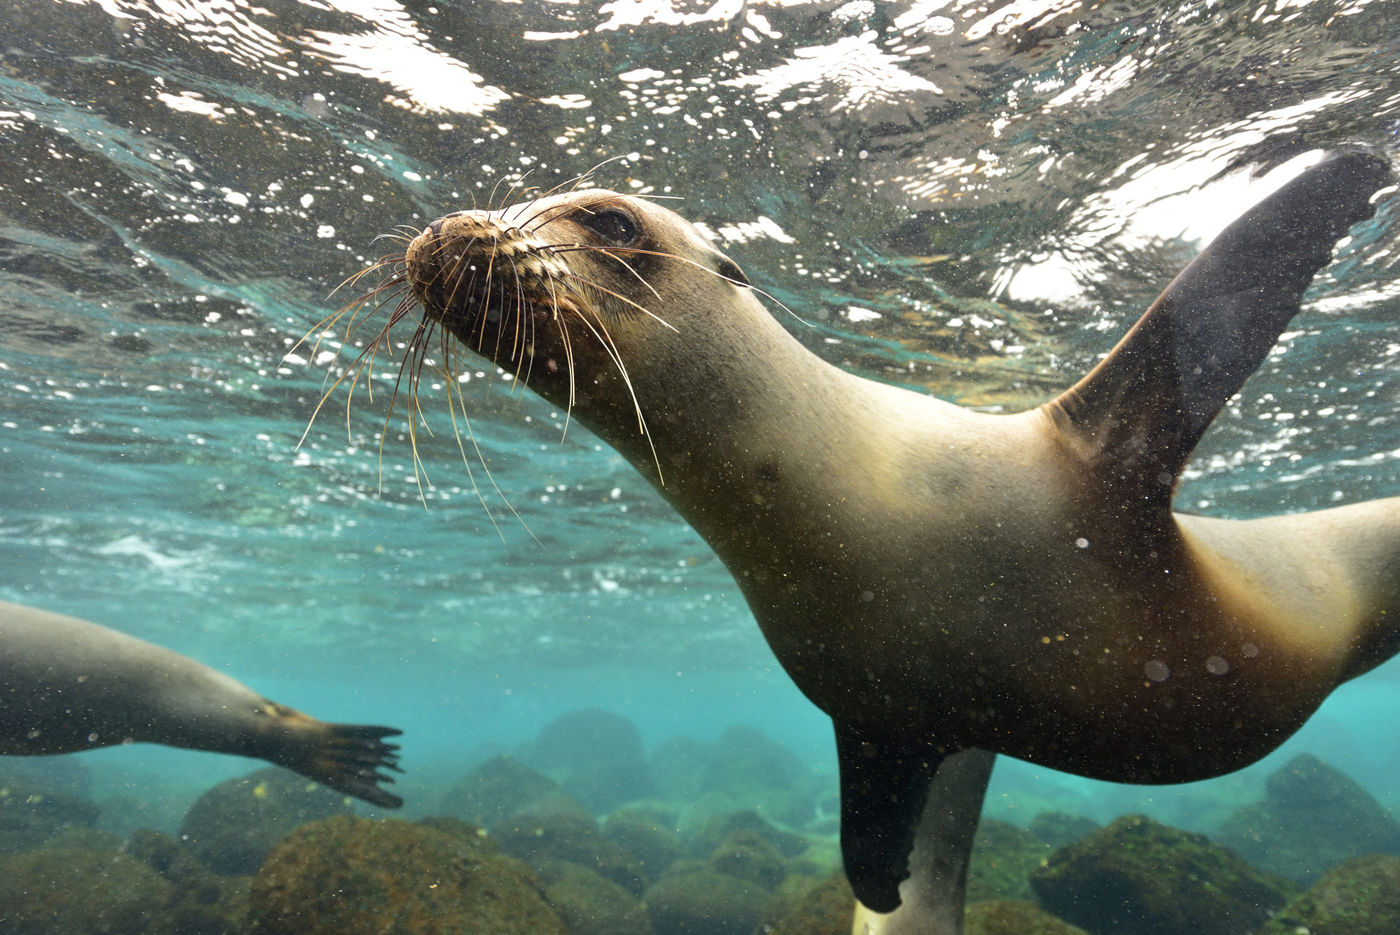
(742, 428)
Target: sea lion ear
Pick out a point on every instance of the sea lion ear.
(731, 271)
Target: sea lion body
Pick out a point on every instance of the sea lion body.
(68, 685)
(941, 580)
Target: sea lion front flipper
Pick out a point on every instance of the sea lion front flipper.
(900, 796)
(932, 898)
(1144, 407)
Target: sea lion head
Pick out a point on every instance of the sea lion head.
(562, 290)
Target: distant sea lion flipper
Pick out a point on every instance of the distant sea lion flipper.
(71, 685)
(895, 789)
(1144, 407)
(348, 758)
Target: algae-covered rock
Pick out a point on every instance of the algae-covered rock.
(1003, 857)
(495, 789)
(536, 837)
(202, 902)
(32, 813)
(742, 769)
(703, 901)
(1138, 876)
(707, 836)
(1313, 816)
(234, 825)
(1013, 917)
(749, 856)
(595, 755)
(647, 836)
(1060, 828)
(1360, 897)
(590, 904)
(823, 909)
(352, 876)
(72, 891)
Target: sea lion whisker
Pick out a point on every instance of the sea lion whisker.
(454, 388)
(388, 259)
(533, 221)
(582, 177)
(608, 252)
(518, 184)
(355, 367)
(689, 262)
(566, 341)
(622, 298)
(517, 312)
(411, 364)
(605, 340)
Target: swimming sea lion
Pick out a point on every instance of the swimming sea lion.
(69, 685)
(944, 582)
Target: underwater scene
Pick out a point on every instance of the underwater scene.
(242, 440)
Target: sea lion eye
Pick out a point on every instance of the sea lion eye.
(731, 271)
(612, 225)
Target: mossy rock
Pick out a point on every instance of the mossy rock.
(495, 789)
(1313, 817)
(597, 757)
(72, 891)
(751, 857)
(1060, 828)
(1013, 917)
(351, 876)
(714, 829)
(824, 908)
(1003, 857)
(203, 902)
(704, 902)
(31, 814)
(1138, 876)
(234, 825)
(590, 904)
(646, 836)
(1360, 897)
(566, 835)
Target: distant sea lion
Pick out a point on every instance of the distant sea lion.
(69, 685)
(949, 584)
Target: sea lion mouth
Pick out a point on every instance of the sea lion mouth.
(484, 278)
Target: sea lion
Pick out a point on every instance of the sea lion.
(69, 685)
(947, 583)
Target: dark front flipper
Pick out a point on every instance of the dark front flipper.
(933, 896)
(899, 797)
(1140, 412)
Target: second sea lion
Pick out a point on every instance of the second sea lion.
(68, 685)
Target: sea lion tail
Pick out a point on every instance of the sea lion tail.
(349, 758)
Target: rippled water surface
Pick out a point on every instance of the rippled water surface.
(973, 199)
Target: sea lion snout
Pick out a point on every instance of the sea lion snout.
(471, 265)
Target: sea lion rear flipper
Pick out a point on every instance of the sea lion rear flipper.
(349, 758)
(1144, 407)
(899, 797)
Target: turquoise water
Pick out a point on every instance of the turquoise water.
(969, 199)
